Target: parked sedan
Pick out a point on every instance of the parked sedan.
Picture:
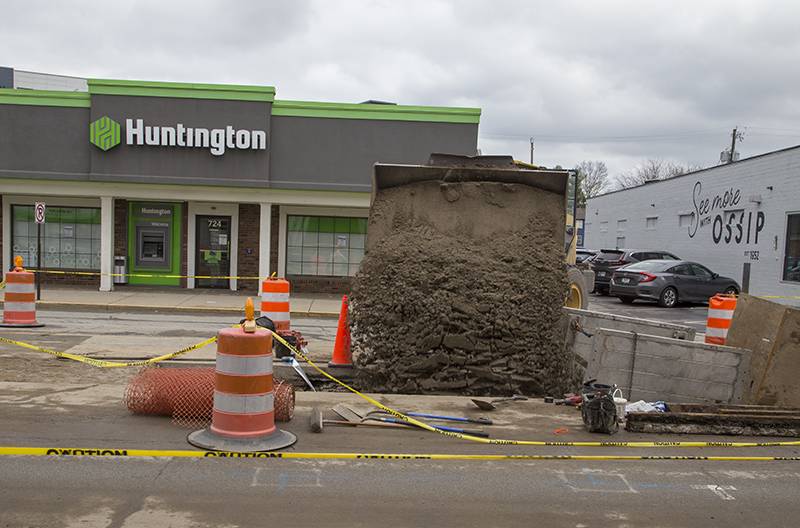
(608, 260)
(669, 282)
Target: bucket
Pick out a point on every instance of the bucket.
(620, 403)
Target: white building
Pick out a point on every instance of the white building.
(741, 219)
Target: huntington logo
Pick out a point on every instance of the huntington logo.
(104, 133)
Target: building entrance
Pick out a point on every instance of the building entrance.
(213, 259)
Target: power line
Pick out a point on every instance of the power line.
(675, 136)
(548, 138)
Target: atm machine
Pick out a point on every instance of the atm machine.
(154, 234)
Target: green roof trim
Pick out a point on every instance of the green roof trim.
(384, 112)
(225, 92)
(44, 98)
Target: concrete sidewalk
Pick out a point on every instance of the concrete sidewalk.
(163, 298)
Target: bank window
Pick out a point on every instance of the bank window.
(324, 246)
(791, 261)
(70, 237)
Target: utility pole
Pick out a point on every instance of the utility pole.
(736, 134)
(531, 151)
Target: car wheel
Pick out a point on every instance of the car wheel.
(627, 300)
(731, 290)
(602, 291)
(668, 297)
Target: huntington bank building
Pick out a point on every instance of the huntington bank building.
(113, 182)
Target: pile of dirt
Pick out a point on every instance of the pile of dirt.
(461, 291)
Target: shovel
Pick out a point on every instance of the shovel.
(316, 422)
(487, 406)
(483, 421)
(299, 369)
(351, 415)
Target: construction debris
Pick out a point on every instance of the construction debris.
(749, 420)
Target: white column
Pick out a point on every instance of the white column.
(106, 242)
(264, 241)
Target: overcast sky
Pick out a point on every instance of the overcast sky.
(617, 81)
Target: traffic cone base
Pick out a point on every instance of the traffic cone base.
(207, 439)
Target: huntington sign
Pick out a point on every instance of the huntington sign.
(105, 134)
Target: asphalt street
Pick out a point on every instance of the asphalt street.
(547, 469)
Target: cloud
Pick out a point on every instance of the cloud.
(616, 81)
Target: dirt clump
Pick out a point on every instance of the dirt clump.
(461, 291)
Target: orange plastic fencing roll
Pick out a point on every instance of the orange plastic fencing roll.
(275, 302)
(720, 313)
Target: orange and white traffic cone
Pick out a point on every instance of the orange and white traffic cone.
(275, 302)
(342, 357)
(243, 416)
(720, 313)
(19, 306)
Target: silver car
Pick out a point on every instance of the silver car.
(669, 282)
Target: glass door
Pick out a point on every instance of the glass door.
(213, 261)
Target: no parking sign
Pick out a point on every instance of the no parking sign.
(39, 212)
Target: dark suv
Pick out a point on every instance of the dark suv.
(607, 260)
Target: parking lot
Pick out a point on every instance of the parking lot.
(694, 315)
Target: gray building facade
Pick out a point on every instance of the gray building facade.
(740, 219)
(198, 185)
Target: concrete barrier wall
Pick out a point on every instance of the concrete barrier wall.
(654, 368)
(589, 321)
(772, 332)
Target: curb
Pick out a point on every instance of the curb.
(196, 309)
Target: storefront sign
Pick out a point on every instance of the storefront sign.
(731, 226)
(105, 134)
(155, 210)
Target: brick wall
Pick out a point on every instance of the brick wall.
(249, 234)
(337, 285)
(6, 265)
(273, 238)
(184, 243)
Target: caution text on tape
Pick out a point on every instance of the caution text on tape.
(92, 452)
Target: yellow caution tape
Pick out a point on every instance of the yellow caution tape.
(423, 425)
(104, 363)
(147, 275)
(57, 451)
(2, 284)
(774, 297)
(401, 416)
